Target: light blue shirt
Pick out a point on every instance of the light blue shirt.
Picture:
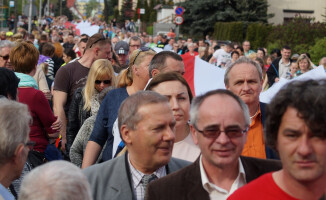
(5, 194)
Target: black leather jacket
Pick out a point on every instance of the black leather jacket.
(76, 117)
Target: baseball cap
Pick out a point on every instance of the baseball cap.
(94, 39)
(121, 47)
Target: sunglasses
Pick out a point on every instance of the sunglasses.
(102, 38)
(141, 49)
(106, 82)
(6, 57)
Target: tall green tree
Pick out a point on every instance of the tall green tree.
(126, 12)
(90, 6)
(152, 12)
(201, 16)
(146, 16)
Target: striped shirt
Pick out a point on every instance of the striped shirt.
(136, 177)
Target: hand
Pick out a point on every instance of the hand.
(56, 126)
(47, 95)
(276, 79)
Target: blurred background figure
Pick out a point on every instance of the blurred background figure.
(56, 180)
(14, 143)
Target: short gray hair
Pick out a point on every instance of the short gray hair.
(14, 122)
(242, 60)
(128, 112)
(197, 102)
(6, 43)
(56, 180)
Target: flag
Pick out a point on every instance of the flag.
(201, 75)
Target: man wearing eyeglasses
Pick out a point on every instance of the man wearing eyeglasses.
(219, 124)
(14, 148)
(134, 44)
(5, 47)
(74, 75)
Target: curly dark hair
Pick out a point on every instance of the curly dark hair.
(308, 98)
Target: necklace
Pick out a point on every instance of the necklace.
(254, 114)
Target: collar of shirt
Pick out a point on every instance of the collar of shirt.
(210, 187)
(137, 175)
(5, 194)
(284, 64)
(256, 118)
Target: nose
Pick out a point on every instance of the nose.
(174, 103)
(169, 134)
(246, 86)
(304, 146)
(222, 138)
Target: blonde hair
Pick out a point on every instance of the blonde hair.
(99, 68)
(125, 77)
(252, 56)
(45, 67)
(304, 57)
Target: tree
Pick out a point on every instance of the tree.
(90, 6)
(126, 12)
(152, 12)
(201, 16)
(65, 10)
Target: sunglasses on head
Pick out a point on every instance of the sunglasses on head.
(141, 49)
(97, 82)
(6, 57)
(102, 38)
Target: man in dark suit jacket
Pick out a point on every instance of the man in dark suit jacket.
(146, 125)
(219, 124)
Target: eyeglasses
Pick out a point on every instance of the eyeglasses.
(102, 38)
(106, 82)
(6, 57)
(215, 132)
(141, 49)
(134, 46)
(30, 144)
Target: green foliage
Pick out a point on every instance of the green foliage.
(229, 31)
(298, 31)
(274, 45)
(318, 50)
(90, 6)
(201, 15)
(257, 34)
(126, 12)
(149, 30)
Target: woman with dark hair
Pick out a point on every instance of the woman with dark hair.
(8, 83)
(68, 55)
(176, 88)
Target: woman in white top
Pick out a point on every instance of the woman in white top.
(176, 88)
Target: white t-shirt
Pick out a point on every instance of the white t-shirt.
(221, 55)
(186, 149)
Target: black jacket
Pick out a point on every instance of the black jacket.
(273, 71)
(76, 117)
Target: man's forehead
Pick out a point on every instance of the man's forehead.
(215, 104)
(148, 111)
(134, 42)
(240, 68)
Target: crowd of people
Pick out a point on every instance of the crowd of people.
(116, 107)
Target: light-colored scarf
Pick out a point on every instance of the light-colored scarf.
(26, 80)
